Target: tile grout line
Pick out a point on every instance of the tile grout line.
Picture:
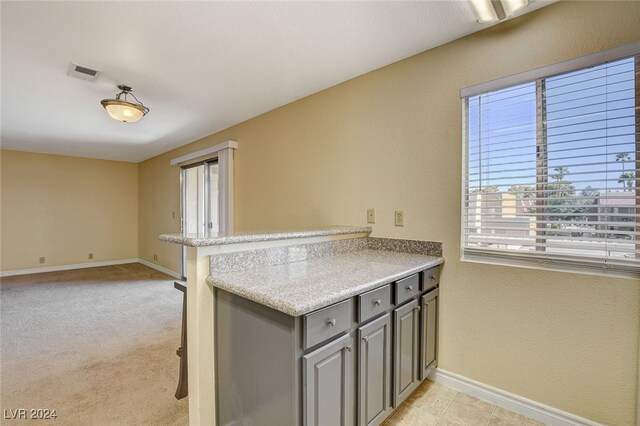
(445, 410)
(491, 416)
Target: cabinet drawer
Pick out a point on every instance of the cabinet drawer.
(431, 278)
(374, 302)
(327, 322)
(407, 288)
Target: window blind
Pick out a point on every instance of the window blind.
(551, 169)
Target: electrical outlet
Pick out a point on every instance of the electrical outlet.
(399, 218)
(42, 259)
(371, 215)
(155, 257)
(90, 255)
(173, 215)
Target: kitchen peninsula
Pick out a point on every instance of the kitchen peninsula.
(323, 326)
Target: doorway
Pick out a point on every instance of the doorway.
(199, 202)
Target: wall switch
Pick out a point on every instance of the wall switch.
(371, 215)
(90, 255)
(399, 218)
(42, 259)
(173, 215)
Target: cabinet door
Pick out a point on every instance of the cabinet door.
(328, 384)
(405, 350)
(429, 332)
(374, 371)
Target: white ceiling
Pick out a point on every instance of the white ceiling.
(200, 66)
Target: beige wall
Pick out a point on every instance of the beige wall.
(159, 210)
(391, 140)
(63, 208)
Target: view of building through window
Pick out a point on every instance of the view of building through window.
(552, 166)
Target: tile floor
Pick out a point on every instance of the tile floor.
(434, 404)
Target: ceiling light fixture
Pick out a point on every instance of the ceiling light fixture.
(123, 110)
(496, 10)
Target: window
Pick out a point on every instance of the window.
(551, 167)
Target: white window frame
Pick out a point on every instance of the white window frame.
(517, 259)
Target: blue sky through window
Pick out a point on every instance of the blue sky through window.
(590, 118)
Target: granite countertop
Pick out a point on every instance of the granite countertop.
(301, 287)
(215, 239)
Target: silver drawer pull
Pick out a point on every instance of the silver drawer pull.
(331, 322)
(366, 339)
(377, 302)
(433, 277)
(409, 288)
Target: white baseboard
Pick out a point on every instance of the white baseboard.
(515, 403)
(88, 265)
(66, 267)
(160, 268)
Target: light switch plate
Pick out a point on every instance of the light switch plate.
(371, 215)
(399, 218)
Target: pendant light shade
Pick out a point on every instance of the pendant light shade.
(123, 110)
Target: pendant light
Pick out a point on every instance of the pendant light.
(122, 109)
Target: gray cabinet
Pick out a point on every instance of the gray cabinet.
(407, 288)
(374, 371)
(325, 323)
(429, 336)
(328, 384)
(349, 363)
(374, 303)
(405, 350)
(431, 278)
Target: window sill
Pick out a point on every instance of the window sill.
(549, 265)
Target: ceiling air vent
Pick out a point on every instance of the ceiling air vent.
(83, 72)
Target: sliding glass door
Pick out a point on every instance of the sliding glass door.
(199, 201)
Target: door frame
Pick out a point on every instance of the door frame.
(224, 155)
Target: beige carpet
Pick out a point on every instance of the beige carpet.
(97, 345)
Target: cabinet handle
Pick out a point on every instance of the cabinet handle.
(409, 288)
(433, 277)
(366, 339)
(331, 322)
(348, 348)
(377, 302)
(417, 308)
